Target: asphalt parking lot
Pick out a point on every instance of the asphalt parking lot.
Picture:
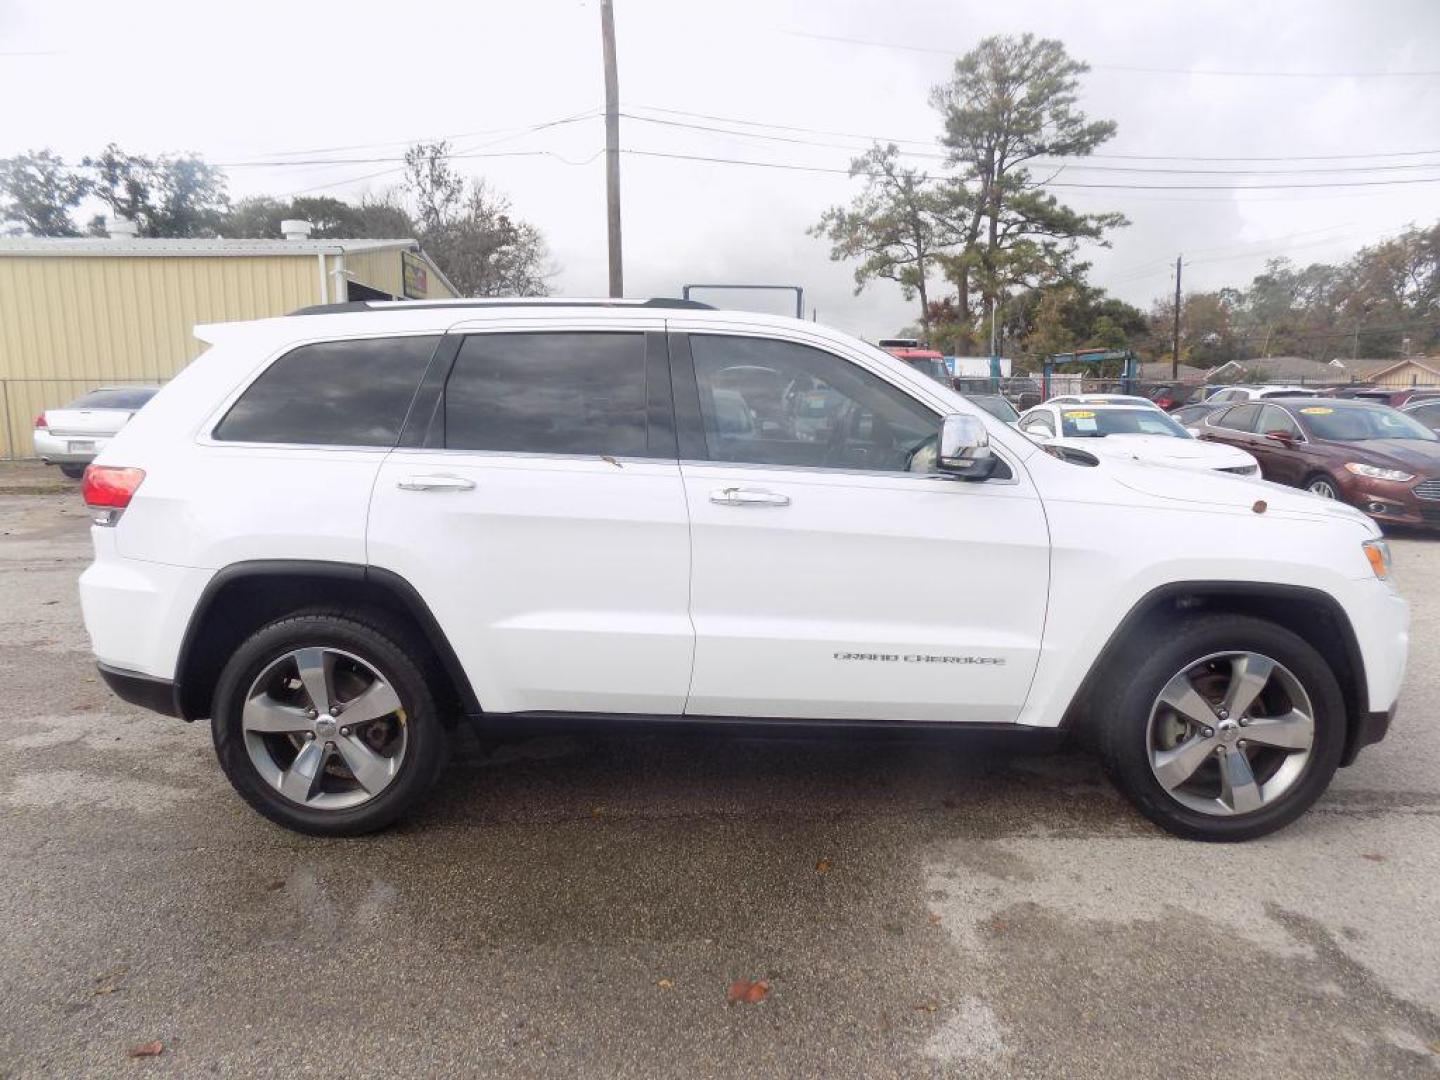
(580, 906)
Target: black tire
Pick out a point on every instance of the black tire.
(74, 472)
(1120, 722)
(408, 665)
(1314, 478)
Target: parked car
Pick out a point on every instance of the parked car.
(1204, 393)
(997, 405)
(1171, 395)
(1103, 399)
(1022, 391)
(1189, 416)
(1136, 432)
(1371, 456)
(339, 534)
(1413, 393)
(71, 437)
(1260, 393)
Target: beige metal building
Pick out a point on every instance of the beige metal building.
(82, 313)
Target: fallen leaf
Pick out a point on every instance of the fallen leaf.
(823, 866)
(150, 1049)
(934, 919)
(665, 984)
(274, 886)
(749, 992)
(928, 1006)
(595, 812)
(1373, 857)
(108, 982)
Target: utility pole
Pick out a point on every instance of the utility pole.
(612, 148)
(1175, 354)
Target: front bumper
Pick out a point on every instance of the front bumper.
(1367, 730)
(1390, 502)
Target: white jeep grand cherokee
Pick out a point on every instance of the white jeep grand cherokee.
(338, 533)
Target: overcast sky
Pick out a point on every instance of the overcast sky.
(268, 81)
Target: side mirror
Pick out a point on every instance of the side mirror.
(965, 448)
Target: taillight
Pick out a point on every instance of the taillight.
(40, 422)
(108, 490)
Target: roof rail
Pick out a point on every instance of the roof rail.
(351, 306)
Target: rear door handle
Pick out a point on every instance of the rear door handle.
(740, 496)
(434, 482)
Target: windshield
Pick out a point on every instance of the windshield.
(121, 398)
(1096, 423)
(1360, 423)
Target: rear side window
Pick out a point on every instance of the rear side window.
(333, 393)
(555, 393)
(1240, 418)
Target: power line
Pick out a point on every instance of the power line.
(1105, 156)
(1131, 68)
(795, 167)
(1067, 163)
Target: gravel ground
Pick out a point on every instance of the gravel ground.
(579, 906)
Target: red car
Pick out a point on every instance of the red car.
(1368, 455)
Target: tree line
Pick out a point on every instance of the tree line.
(1004, 252)
(467, 227)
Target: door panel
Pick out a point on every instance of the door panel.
(865, 596)
(561, 583)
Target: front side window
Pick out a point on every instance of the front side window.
(549, 393)
(1277, 421)
(332, 393)
(1039, 424)
(773, 402)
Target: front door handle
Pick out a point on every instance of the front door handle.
(740, 496)
(434, 482)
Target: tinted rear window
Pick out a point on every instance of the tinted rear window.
(333, 393)
(1240, 418)
(557, 393)
(124, 397)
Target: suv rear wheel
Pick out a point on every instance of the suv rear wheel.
(324, 723)
(1227, 731)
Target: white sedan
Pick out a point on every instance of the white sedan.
(71, 437)
(1135, 432)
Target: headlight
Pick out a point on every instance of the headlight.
(1378, 552)
(1377, 473)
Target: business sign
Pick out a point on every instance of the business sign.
(415, 275)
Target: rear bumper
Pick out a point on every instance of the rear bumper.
(56, 449)
(147, 691)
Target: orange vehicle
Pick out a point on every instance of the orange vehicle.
(926, 361)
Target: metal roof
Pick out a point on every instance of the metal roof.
(99, 246)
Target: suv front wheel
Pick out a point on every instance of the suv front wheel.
(1228, 730)
(324, 723)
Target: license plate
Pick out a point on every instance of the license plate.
(82, 447)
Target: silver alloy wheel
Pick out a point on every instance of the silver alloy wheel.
(1230, 734)
(324, 728)
(1322, 487)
